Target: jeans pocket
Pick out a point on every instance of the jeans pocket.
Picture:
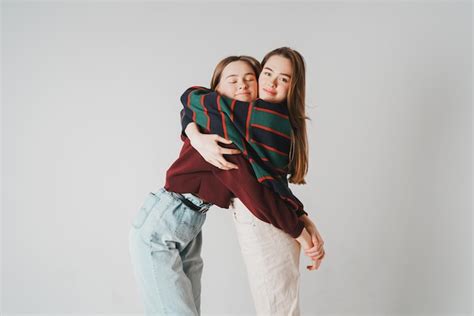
(190, 224)
(150, 201)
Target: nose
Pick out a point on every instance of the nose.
(243, 85)
(272, 82)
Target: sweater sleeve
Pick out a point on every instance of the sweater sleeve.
(295, 201)
(210, 110)
(300, 209)
(185, 120)
(260, 200)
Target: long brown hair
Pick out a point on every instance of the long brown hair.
(216, 76)
(298, 165)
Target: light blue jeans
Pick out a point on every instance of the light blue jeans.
(165, 246)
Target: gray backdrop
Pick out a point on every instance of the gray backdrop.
(90, 124)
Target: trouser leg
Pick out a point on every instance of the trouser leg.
(160, 237)
(271, 257)
(193, 266)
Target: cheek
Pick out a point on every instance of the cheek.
(254, 86)
(284, 91)
(227, 89)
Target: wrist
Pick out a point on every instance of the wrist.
(305, 219)
(304, 239)
(193, 134)
(301, 237)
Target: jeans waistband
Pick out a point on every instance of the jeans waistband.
(190, 200)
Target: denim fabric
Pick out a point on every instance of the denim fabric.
(165, 243)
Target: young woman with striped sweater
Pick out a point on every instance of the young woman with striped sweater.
(271, 255)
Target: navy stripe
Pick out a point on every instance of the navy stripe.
(276, 107)
(271, 139)
(241, 110)
(216, 122)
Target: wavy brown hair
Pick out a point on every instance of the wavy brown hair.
(298, 164)
(216, 76)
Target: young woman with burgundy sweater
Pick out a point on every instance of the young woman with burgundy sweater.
(166, 237)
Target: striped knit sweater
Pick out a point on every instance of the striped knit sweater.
(259, 129)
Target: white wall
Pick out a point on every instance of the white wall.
(90, 123)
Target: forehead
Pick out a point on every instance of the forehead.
(238, 67)
(279, 64)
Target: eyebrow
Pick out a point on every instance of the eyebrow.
(280, 72)
(248, 73)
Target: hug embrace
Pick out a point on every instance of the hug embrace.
(254, 113)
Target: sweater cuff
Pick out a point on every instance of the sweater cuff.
(185, 120)
(297, 230)
(300, 212)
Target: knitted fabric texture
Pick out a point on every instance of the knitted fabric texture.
(260, 130)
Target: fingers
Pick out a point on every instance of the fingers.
(221, 163)
(315, 253)
(217, 163)
(318, 256)
(227, 165)
(318, 245)
(314, 250)
(224, 164)
(314, 266)
(318, 263)
(229, 151)
(221, 139)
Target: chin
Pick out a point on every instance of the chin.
(270, 99)
(267, 97)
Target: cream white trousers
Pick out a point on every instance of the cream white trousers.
(271, 257)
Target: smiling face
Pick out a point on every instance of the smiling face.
(238, 81)
(274, 81)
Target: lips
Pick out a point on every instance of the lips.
(270, 91)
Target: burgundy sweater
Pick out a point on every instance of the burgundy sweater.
(190, 173)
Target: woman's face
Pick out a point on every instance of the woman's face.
(274, 81)
(238, 81)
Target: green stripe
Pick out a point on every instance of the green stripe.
(276, 122)
(201, 117)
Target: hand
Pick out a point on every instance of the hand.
(207, 146)
(306, 243)
(316, 252)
